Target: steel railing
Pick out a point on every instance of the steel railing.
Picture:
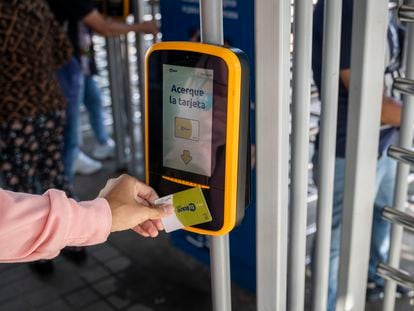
(405, 158)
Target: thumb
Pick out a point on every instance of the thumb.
(158, 211)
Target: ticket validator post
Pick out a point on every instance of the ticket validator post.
(197, 127)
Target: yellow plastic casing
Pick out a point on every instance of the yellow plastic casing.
(232, 129)
(126, 8)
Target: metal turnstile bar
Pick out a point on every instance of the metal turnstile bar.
(272, 54)
(405, 86)
(301, 98)
(369, 33)
(401, 154)
(397, 217)
(406, 13)
(403, 170)
(328, 123)
(396, 275)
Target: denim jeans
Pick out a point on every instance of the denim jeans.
(92, 100)
(70, 79)
(380, 236)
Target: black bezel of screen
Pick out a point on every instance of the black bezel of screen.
(155, 96)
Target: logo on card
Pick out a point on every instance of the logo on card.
(189, 208)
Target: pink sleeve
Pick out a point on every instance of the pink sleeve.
(36, 227)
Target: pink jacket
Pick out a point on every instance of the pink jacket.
(36, 227)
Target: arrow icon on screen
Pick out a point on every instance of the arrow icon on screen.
(186, 156)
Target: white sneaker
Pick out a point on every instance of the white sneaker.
(85, 165)
(106, 151)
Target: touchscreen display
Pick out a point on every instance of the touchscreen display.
(187, 118)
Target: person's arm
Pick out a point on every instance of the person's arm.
(390, 109)
(34, 227)
(109, 28)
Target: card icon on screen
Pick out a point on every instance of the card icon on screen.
(187, 129)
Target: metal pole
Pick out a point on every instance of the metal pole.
(129, 109)
(396, 275)
(120, 110)
(302, 64)
(211, 21)
(152, 6)
(401, 190)
(272, 29)
(115, 101)
(402, 154)
(329, 112)
(138, 7)
(398, 217)
(369, 35)
(220, 273)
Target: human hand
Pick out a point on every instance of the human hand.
(391, 110)
(130, 201)
(147, 27)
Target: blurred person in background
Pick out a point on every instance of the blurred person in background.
(71, 14)
(90, 96)
(32, 106)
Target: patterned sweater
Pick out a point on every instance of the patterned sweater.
(32, 48)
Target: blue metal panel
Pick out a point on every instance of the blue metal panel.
(181, 22)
